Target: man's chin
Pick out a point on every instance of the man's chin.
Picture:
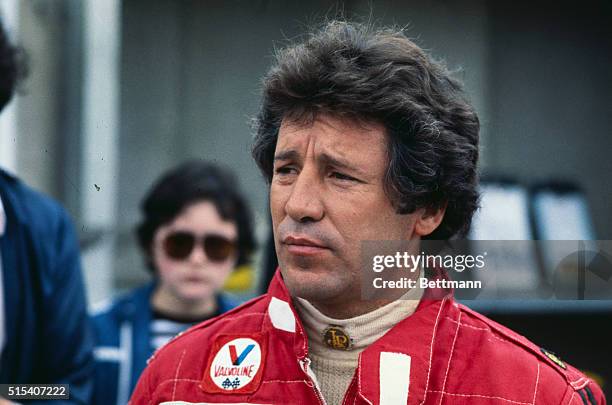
(314, 284)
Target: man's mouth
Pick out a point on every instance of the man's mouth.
(304, 246)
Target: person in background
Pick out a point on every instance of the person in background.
(196, 229)
(45, 335)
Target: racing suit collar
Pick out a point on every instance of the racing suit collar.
(413, 348)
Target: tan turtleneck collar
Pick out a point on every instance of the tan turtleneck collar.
(334, 368)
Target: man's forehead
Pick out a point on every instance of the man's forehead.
(342, 135)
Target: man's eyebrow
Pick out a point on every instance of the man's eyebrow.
(325, 159)
(289, 154)
(339, 163)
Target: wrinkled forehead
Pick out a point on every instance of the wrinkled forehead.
(360, 141)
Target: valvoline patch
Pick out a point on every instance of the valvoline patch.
(236, 364)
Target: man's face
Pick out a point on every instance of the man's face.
(327, 196)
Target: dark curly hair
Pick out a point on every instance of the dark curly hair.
(379, 75)
(189, 183)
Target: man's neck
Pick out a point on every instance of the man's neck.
(346, 310)
(343, 308)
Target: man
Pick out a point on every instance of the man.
(46, 338)
(362, 138)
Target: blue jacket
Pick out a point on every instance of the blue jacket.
(123, 344)
(48, 336)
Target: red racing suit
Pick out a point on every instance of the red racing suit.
(444, 353)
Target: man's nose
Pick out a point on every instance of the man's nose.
(304, 203)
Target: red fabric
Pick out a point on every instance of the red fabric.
(457, 357)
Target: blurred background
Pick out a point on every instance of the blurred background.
(120, 91)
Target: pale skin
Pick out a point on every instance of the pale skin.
(187, 287)
(326, 196)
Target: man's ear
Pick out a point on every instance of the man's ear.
(428, 219)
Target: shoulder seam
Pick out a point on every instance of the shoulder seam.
(509, 336)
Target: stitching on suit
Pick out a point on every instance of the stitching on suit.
(175, 380)
(359, 382)
(285, 382)
(535, 393)
(362, 397)
(468, 326)
(483, 396)
(450, 358)
(182, 380)
(493, 335)
(172, 380)
(433, 337)
(571, 398)
(514, 337)
(501, 339)
(359, 376)
(580, 383)
(303, 336)
(178, 367)
(242, 316)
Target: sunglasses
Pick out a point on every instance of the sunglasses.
(179, 245)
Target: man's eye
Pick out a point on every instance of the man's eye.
(342, 176)
(284, 170)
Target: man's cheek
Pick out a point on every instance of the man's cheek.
(277, 202)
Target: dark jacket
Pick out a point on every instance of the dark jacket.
(123, 344)
(48, 336)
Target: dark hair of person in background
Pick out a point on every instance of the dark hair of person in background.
(12, 68)
(353, 71)
(189, 183)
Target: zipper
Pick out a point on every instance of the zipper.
(305, 365)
